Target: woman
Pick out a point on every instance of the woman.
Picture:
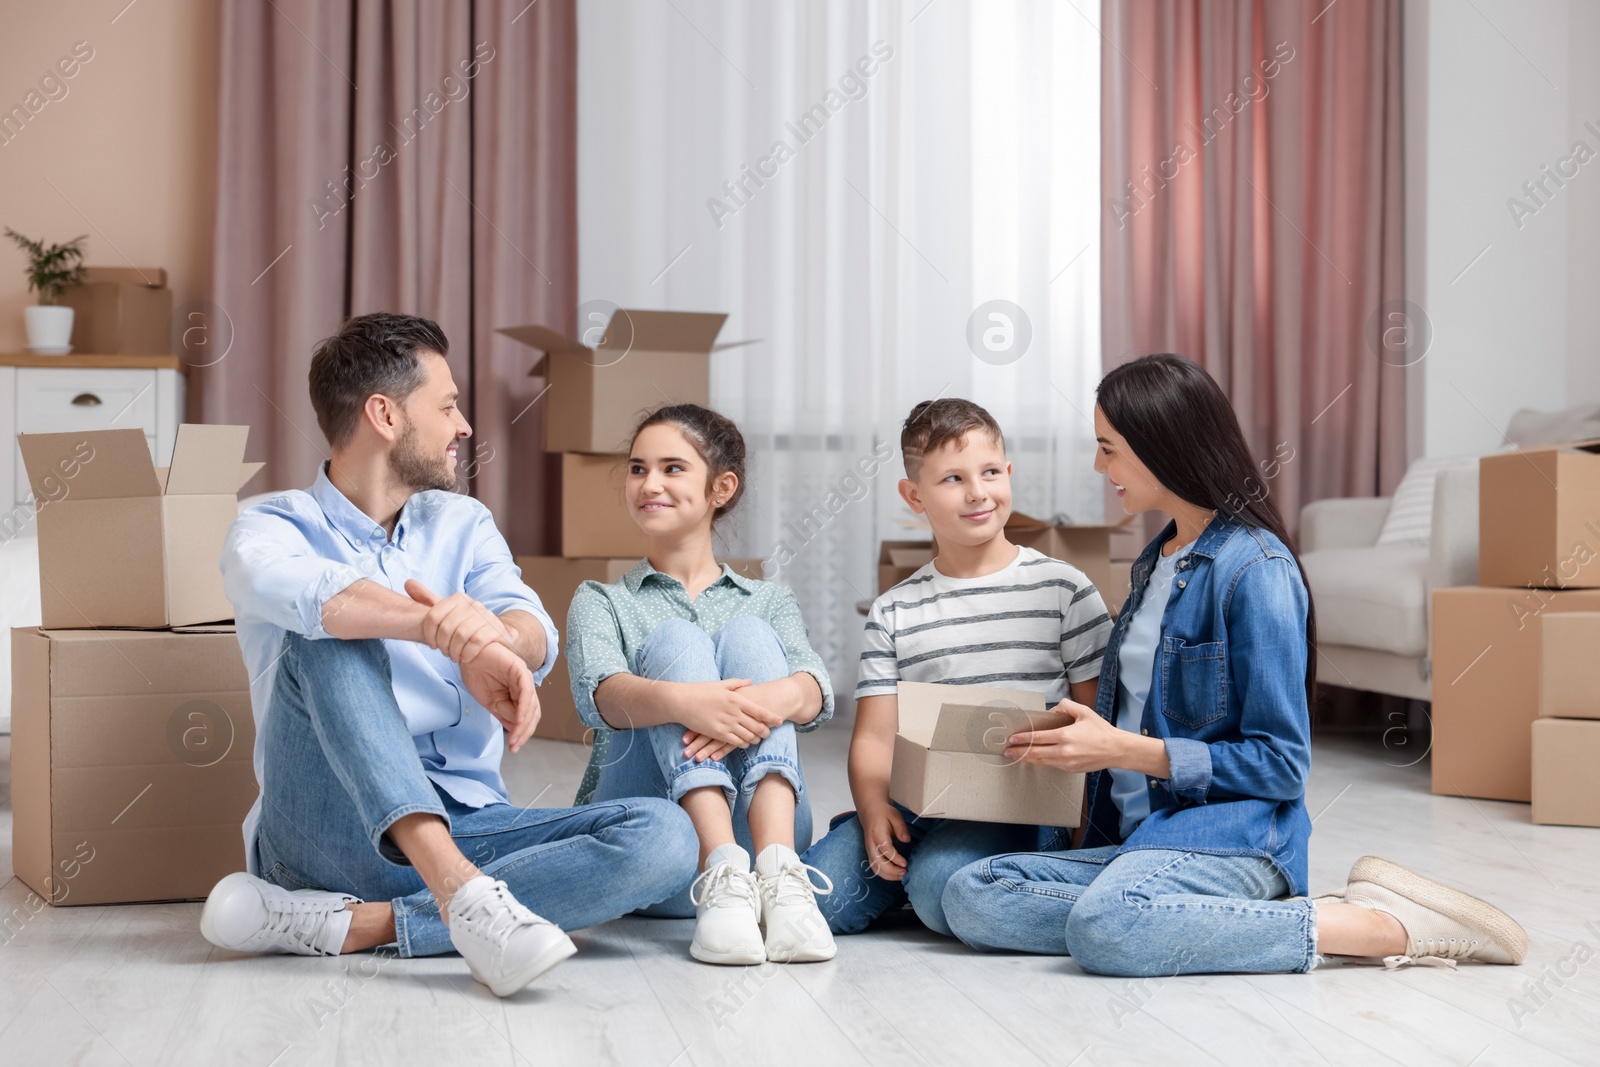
(696, 680)
(1198, 748)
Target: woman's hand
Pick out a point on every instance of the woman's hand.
(1086, 743)
(722, 712)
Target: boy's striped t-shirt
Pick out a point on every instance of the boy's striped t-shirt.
(1038, 624)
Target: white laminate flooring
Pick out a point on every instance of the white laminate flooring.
(138, 985)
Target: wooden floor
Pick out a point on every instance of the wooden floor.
(138, 985)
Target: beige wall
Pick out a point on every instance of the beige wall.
(130, 146)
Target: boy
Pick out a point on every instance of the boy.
(984, 612)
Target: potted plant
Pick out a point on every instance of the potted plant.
(51, 268)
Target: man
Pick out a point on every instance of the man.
(390, 643)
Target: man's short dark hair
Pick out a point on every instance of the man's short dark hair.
(934, 423)
(378, 353)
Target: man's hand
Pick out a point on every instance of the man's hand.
(1086, 743)
(499, 680)
(458, 625)
(881, 826)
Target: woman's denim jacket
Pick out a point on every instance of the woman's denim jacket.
(1227, 695)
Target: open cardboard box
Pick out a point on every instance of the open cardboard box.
(125, 543)
(131, 762)
(1539, 517)
(556, 580)
(1085, 546)
(948, 762)
(644, 359)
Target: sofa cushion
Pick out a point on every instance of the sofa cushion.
(1528, 428)
(1371, 597)
(1410, 518)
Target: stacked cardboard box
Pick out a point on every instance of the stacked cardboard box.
(599, 386)
(131, 721)
(1538, 562)
(1566, 736)
(121, 311)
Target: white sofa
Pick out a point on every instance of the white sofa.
(1375, 603)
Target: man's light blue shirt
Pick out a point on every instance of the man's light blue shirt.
(287, 556)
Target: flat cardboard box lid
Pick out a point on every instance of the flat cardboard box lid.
(985, 727)
(153, 277)
(630, 330)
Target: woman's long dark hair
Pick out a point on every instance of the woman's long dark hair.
(1179, 423)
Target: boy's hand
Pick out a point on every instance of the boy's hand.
(458, 625)
(501, 682)
(882, 827)
(719, 710)
(1087, 743)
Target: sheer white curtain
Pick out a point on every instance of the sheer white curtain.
(852, 182)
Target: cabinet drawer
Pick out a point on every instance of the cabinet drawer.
(106, 400)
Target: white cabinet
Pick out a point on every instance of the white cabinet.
(67, 394)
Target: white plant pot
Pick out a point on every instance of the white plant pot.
(49, 328)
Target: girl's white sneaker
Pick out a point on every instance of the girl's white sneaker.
(506, 946)
(244, 913)
(727, 907)
(797, 932)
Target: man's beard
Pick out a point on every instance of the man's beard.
(416, 469)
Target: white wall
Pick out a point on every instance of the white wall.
(1497, 90)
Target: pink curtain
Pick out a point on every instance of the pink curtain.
(408, 157)
(1252, 175)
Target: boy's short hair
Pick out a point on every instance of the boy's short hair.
(934, 423)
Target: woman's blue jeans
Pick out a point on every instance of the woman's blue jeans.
(341, 767)
(1144, 913)
(649, 762)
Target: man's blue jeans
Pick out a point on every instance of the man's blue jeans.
(1145, 913)
(341, 767)
(648, 761)
(938, 849)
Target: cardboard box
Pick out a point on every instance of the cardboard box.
(124, 543)
(1086, 547)
(131, 769)
(947, 761)
(899, 560)
(556, 580)
(595, 520)
(1486, 663)
(1569, 672)
(121, 311)
(644, 359)
(1539, 517)
(1566, 791)
(1116, 594)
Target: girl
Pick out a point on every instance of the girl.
(695, 680)
(1198, 747)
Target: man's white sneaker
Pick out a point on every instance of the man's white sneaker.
(506, 946)
(796, 929)
(727, 908)
(1442, 924)
(249, 914)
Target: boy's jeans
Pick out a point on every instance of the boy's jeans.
(938, 849)
(341, 767)
(648, 762)
(1145, 913)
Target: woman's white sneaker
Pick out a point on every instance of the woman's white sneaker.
(248, 914)
(727, 908)
(506, 946)
(797, 932)
(1442, 925)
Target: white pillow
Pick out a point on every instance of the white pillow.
(1410, 520)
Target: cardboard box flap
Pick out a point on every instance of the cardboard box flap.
(1019, 521)
(920, 704)
(671, 331)
(724, 346)
(89, 464)
(246, 472)
(207, 459)
(543, 338)
(985, 727)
